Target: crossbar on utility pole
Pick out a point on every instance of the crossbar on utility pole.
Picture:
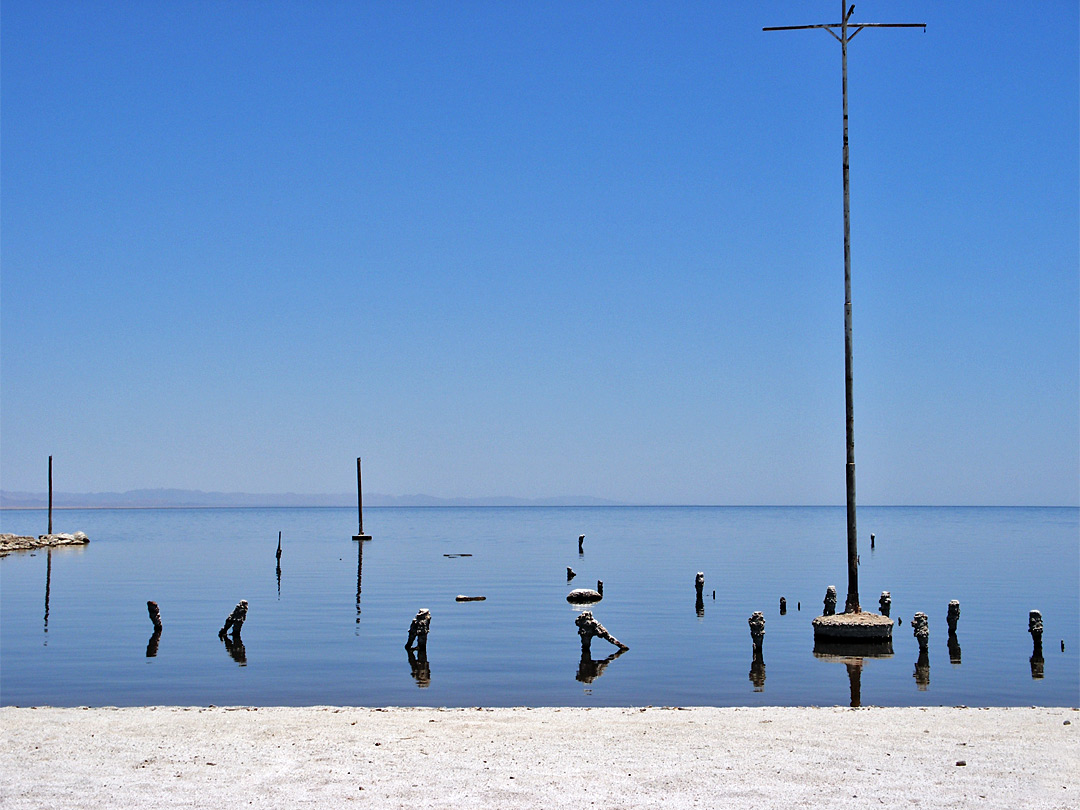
(851, 604)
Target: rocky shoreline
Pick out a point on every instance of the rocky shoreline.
(16, 542)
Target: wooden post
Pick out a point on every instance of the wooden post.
(50, 494)
(360, 505)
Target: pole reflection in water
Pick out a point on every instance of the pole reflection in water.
(359, 576)
(48, 585)
(421, 669)
(757, 671)
(922, 671)
(589, 669)
(853, 655)
(152, 644)
(954, 649)
(234, 645)
(278, 555)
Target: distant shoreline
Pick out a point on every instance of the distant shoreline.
(486, 505)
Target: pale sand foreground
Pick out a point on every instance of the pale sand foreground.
(524, 758)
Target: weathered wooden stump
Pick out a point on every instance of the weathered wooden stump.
(953, 616)
(155, 615)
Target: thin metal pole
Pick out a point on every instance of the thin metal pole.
(359, 497)
(50, 494)
(851, 605)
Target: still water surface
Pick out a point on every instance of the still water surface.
(331, 629)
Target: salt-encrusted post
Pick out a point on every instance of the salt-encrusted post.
(920, 628)
(885, 603)
(953, 616)
(830, 601)
(757, 630)
(1035, 627)
(699, 586)
(418, 631)
(50, 494)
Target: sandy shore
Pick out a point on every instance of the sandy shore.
(523, 758)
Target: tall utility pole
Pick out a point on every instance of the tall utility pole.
(851, 605)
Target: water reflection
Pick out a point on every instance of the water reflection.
(234, 645)
(757, 671)
(359, 576)
(421, 669)
(48, 585)
(922, 671)
(589, 669)
(278, 555)
(853, 655)
(954, 649)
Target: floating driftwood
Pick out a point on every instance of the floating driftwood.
(457, 555)
(463, 598)
(16, 542)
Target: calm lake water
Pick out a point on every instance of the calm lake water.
(331, 629)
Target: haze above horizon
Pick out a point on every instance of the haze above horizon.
(529, 249)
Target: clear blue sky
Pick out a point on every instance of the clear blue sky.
(539, 248)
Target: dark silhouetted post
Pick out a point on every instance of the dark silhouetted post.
(50, 494)
(851, 605)
(360, 505)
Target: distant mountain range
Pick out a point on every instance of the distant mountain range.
(175, 498)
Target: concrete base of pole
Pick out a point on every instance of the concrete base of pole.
(361, 537)
(853, 627)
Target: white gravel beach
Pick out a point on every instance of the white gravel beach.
(164, 757)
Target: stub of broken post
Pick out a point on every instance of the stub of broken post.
(953, 616)
(885, 603)
(236, 619)
(589, 628)
(830, 601)
(155, 615)
(757, 629)
(920, 628)
(418, 630)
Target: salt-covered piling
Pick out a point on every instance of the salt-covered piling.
(830, 601)
(155, 615)
(783, 606)
(953, 616)
(589, 628)
(1035, 627)
(418, 630)
(235, 621)
(757, 630)
(920, 628)
(885, 603)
